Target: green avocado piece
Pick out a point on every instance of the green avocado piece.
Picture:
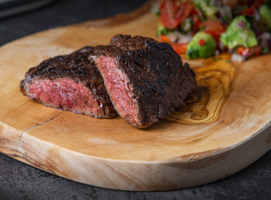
(195, 50)
(208, 9)
(239, 33)
(265, 13)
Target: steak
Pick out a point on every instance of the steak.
(146, 80)
(70, 82)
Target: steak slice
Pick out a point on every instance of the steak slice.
(145, 79)
(70, 82)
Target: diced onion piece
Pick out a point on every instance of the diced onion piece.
(237, 58)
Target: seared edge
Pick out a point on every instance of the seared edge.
(77, 67)
(157, 78)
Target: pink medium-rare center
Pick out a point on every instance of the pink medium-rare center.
(66, 94)
(141, 79)
(118, 88)
(69, 82)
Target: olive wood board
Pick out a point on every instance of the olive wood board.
(223, 128)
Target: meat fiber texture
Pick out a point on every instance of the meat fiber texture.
(146, 80)
(70, 82)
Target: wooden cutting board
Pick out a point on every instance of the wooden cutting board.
(224, 128)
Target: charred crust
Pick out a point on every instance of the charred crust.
(77, 67)
(159, 81)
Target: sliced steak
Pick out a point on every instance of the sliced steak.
(145, 79)
(70, 82)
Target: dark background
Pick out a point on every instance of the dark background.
(20, 181)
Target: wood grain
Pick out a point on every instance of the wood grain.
(224, 127)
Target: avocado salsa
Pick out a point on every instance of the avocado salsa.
(203, 28)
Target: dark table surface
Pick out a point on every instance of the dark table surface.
(21, 181)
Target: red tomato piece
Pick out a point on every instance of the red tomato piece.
(164, 38)
(240, 50)
(249, 11)
(213, 27)
(202, 42)
(180, 48)
(194, 12)
(197, 23)
(167, 14)
(172, 13)
(184, 10)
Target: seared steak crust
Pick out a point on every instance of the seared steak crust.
(81, 70)
(157, 79)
